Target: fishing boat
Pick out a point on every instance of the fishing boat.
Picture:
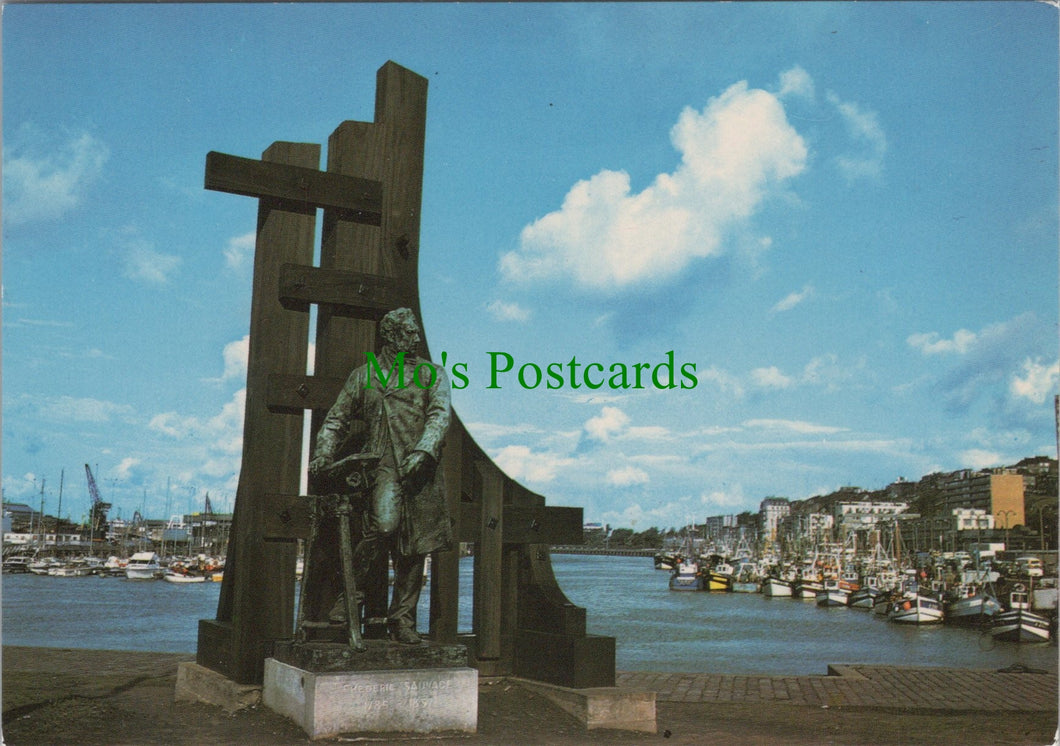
(746, 578)
(686, 577)
(143, 566)
(872, 588)
(831, 593)
(914, 607)
(807, 585)
(1019, 623)
(970, 605)
(720, 577)
(778, 585)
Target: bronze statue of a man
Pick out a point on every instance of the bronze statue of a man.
(403, 404)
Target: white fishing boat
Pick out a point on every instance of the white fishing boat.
(831, 594)
(775, 586)
(915, 608)
(866, 596)
(143, 566)
(807, 587)
(1019, 623)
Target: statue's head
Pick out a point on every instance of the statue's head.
(399, 331)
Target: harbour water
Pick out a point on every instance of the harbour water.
(625, 597)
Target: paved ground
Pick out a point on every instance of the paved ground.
(59, 696)
(863, 686)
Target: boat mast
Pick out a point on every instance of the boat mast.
(59, 512)
(40, 518)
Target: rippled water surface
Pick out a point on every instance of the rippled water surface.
(625, 597)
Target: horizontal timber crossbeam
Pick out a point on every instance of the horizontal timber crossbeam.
(360, 200)
(291, 518)
(298, 392)
(360, 295)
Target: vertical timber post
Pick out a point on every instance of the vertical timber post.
(257, 595)
(489, 563)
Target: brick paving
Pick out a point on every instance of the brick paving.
(909, 688)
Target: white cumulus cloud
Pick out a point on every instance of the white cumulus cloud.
(976, 458)
(521, 463)
(240, 249)
(771, 378)
(796, 82)
(627, 476)
(735, 153)
(1039, 381)
(930, 343)
(141, 262)
(503, 311)
(44, 182)
(610, 422)
(235, 356)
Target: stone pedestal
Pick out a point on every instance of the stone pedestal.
(328, 689)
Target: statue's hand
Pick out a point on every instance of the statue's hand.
(416, 471)
(318, 466)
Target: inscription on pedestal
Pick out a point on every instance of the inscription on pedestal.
(326, 704)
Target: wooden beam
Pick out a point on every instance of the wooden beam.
(359, 294)
(526, 525)
(286, 392)
(360, 199)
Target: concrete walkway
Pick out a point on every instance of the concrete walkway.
(929, 689)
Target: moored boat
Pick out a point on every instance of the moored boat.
(777, 587)
(16, 564)
(746, 578)
(915, 608)
(43, 565)
(806, 587)
(1018, 623)
(143, 566)
(172, 576)
(831, 594)
(970, 605)
(686, 577)
(719, 577)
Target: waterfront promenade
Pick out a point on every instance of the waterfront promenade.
(65, 696)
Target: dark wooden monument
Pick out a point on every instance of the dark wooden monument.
(523, 624)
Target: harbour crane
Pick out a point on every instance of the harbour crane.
(98, 513)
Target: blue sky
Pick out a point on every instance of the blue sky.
(844, 215)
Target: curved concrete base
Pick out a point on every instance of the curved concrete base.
(600, 707)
